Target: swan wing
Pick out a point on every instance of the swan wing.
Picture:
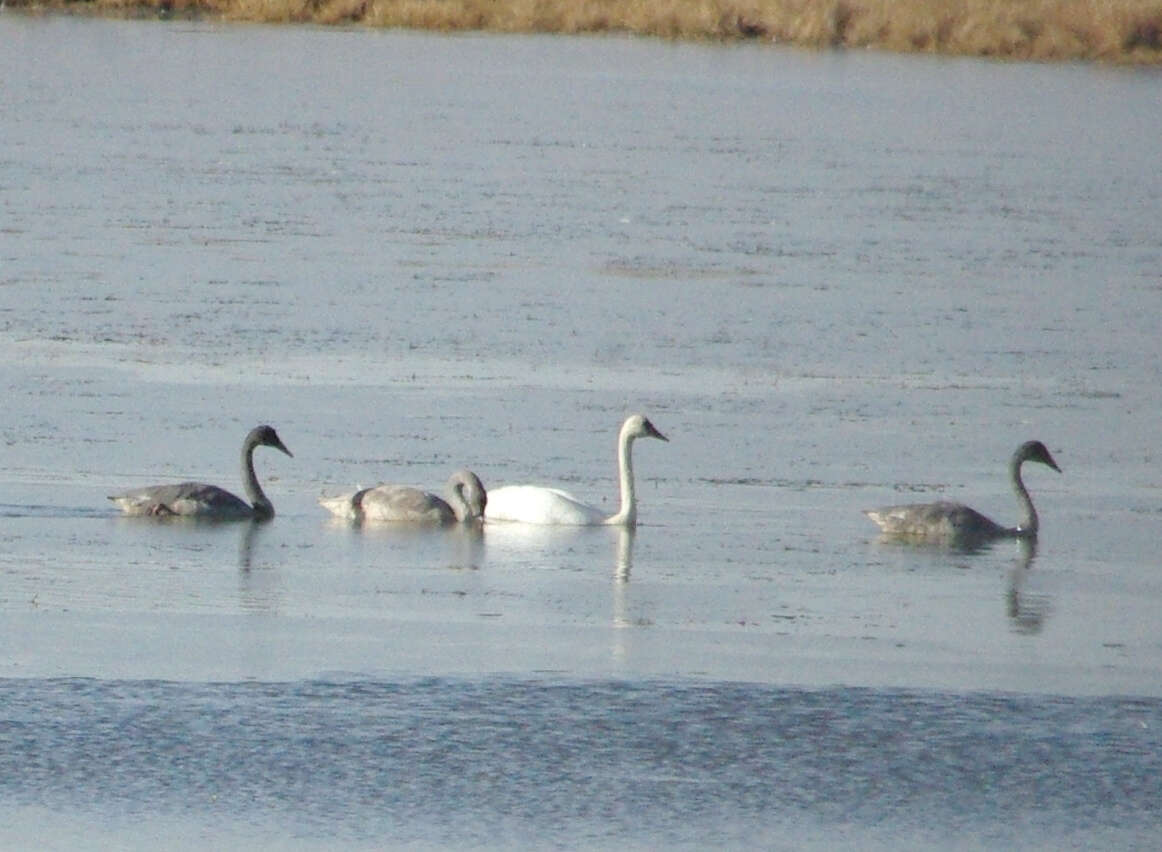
(401, 503)
(933, 520)
(187, 499)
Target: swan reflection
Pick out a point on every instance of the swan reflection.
(461, 545)
(465, 503)
(1027, 610)
(960, 546)
(259, 587)
(623, 554)
(468, 546)
(250, 532)
(621, 616)
(508, 539)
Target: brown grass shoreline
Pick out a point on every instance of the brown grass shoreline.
(1107, 30)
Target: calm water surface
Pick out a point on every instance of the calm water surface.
(833, 280)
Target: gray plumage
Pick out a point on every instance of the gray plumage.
(405, 504)
(950, 521)
(199, 500)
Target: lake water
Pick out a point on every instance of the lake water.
(833, 280)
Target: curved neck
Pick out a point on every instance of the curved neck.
(459, 502)
(258, 500)
(628, 514)
(1029, 523)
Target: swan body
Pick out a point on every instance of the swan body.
(538, 504)
(535, 504)
(954, 521)
(199, 500)
(404, 504)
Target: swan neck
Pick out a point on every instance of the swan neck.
(1029, 522)
(258, 499)
(628, 514)
(459, 502)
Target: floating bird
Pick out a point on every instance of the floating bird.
(957, 522)
(198, 500)
(535, 504)
(404, 504)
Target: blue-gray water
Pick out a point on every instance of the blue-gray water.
(506, 762)
(833, 280)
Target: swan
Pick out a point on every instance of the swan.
(401, 503)
(945, 520)
(198, 500)
(535, 504)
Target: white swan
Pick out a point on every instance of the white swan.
(535, 504)
(955, 521)
(404, 504)
(198, 500)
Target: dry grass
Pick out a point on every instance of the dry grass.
(1117, 30)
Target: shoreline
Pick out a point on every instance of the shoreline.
(1121, 31)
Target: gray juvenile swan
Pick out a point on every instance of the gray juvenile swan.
(536, 504)
(198, 500)
(403, 504)
(954, 521)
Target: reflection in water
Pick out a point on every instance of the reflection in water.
(1027, 610)
(965, 545)
(36, 510)
(506, 538)
(469, 545)
(259, 588)
(466, 540)
(246, 543)
(622, 565)
(623, 560)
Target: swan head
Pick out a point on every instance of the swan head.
(265, 436)
(639, 426)
(1037, 452)
(469, 488)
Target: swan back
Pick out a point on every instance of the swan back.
(184, 499)
(345, 506)
(401, 503)
(941, 520)
(405, 504)
(538, 504)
